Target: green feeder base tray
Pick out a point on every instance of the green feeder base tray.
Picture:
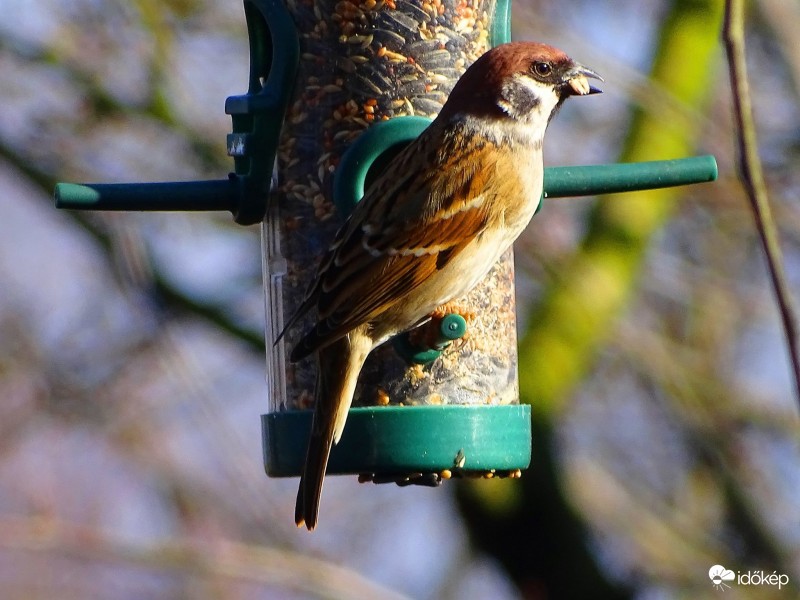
(401, 443)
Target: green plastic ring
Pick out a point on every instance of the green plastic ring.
(373, 148)
(406, 439)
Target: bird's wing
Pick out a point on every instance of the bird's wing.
(405, 229)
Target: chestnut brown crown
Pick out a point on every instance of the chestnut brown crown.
(513, 79)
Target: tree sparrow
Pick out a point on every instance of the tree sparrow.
(429, 229)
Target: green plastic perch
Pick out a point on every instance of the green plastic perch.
(223, 194)
(627, 177)
(370, 153)
(256, 118)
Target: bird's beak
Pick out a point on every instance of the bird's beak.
(576, 80)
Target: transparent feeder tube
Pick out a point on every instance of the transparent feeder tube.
(362, 63)
(274, 270)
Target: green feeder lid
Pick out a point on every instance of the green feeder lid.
(405, 440)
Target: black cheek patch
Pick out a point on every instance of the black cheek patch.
(521, 97)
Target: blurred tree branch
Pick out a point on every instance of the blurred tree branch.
(752, 178)
(104, 104)
(256, 564)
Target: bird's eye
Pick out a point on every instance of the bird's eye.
(542, 69)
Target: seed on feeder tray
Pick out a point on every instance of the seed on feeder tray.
(382, 398)
(459, 460)
(416, 373)
(435, 399)
(446, 473)
(427, 480)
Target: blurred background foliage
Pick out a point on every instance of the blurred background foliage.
(131, 345)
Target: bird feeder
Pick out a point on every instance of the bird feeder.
(336, 89)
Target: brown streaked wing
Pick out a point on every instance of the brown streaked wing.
(369, 291)
(424, 227)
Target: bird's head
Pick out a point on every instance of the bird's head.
(517, 87)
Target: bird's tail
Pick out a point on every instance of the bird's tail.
(339, 365)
